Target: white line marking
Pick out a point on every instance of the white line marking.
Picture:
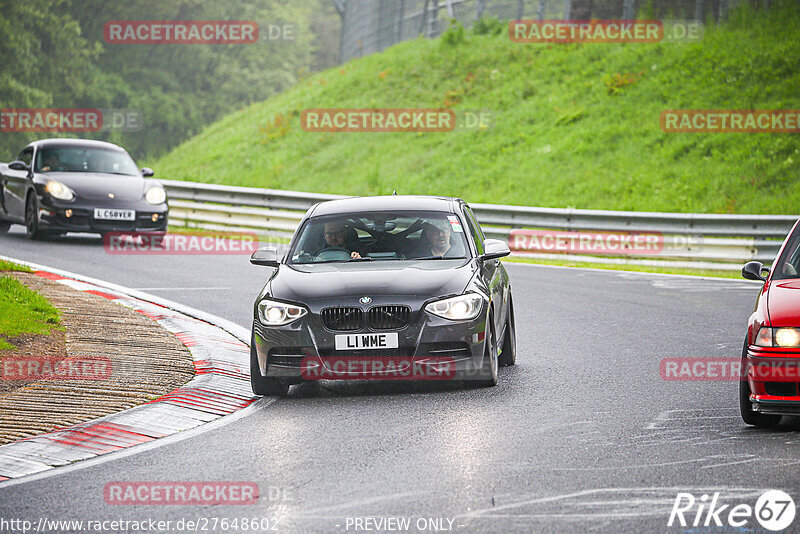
(241, 332)
(180, 288)
(663, 491)
(637, 273)
(362, 502)
(262, 403)
(232, 328)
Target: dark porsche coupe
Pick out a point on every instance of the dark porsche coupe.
(394, 287)
(73, 185)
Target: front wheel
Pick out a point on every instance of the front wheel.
(508, 353)
(32, 218)
(4, 226)
(263, 385)
(746, 407)
(487, 376)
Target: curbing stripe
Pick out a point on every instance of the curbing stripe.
(221, 386)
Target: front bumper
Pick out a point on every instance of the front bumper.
(774, 379)
(53, 216)
(426, 341)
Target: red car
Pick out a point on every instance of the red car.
(771, 353)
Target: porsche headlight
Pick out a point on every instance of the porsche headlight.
(778, 337)
(59, 190)
(461, 308)
(156, 195)
(273, 313)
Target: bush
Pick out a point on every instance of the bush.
(488, 26)
(454, 34)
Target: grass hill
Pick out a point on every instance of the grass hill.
(572, 125)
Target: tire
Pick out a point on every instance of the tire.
(487, 376)
(746, 407)
(262, 385)
(4, 226)
(32, 218)
(508, 353)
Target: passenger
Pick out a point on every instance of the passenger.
(435, 239)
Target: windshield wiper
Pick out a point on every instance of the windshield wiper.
(429, 258)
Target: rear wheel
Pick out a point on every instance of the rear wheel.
(746, 407)
(508, 353)
(263, 385)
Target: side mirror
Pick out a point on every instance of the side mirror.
(494, 248)
(755, 270)
(19, 166)
(266, 256)
(147, 172)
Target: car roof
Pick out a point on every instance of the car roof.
(66, 141)
(385, 203)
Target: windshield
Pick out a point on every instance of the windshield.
(788, 265)
(79, 159)
(380, 236)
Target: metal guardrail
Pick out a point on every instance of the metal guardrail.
(685, 236)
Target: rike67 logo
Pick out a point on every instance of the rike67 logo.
(774, 511)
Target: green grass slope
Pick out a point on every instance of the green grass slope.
(23, 310)
(568, 129)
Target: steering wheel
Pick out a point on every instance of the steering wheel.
(332, 253)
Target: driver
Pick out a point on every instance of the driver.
(51, 161)
(336, 236)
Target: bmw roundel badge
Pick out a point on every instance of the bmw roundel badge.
(365, 300)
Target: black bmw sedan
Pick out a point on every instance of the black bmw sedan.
(383, 288)
(75, 185)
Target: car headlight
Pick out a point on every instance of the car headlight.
(59, 190)
(273, 313)
(461, 308)
(156, 195)
(778, 337)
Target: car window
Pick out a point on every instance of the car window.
(474, 230)
(82, 159)
(788, 265)
(380, 236)
(26, 156)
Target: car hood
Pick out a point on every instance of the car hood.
(100, 185)
(783, 303)
(425, 278)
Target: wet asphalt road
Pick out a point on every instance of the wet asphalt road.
(583, 435)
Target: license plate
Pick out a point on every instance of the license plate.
(114, 215)
(366, 341)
